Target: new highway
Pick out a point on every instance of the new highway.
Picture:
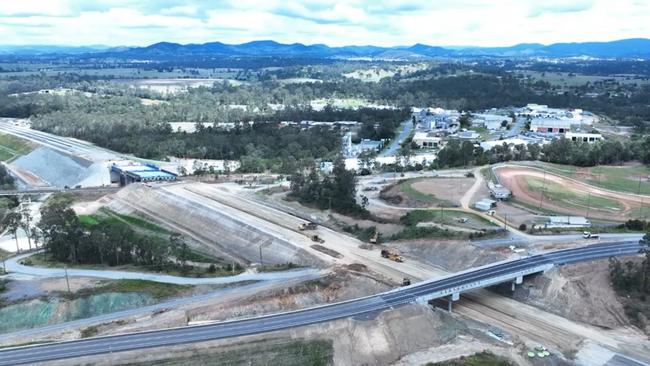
(268, 323)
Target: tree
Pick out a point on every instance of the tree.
(13, 222)
(465, 120)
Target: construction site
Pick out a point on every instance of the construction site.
(571, 311)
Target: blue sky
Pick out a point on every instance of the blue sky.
(359, 22)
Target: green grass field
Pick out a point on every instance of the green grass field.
(485, 358)
(559, 195)
(12, 147)
(628, 178)
(444, 216)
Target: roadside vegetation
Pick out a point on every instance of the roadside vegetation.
(157, 290)
(631, 281)
(485, 358)
(257, 353)
(6, 180)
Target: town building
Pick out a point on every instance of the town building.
(550, 125)
(584, 137)
(427, 140)
(351, 150)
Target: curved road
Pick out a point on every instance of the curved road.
(15, 268)
(267, 323)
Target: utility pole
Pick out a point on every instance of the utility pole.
(541, 198)
(261, 262)
(67, 281)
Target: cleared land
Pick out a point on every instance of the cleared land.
(549, 193)
(427, 192)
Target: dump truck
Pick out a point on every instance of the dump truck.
(317, 239)
(589, 235)
(374, 238)
(391, 255)
(307, 226)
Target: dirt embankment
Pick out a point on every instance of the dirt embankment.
(450, 255)
(336, 287)
(580, 292)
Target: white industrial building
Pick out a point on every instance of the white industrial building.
(584, 137)
(427, 140)
(485, 204)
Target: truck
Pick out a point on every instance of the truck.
(589, 235)
(375, 237)
(391, 255)
(307, 226)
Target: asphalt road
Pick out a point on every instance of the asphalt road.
(391, 150)
(14, 267)
(267, 323)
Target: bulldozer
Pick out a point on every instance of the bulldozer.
(317, 239)
(391, 255)
(307, 226)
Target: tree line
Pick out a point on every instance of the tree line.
(560, 151)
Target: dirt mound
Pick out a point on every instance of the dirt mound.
(60, 170)
(450, 255)
(580, 292)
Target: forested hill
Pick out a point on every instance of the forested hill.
(626, 48)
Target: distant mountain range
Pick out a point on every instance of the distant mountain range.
(626, 48)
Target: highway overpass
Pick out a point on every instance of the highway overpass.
(452, 285)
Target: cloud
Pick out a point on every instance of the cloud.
(333, 22)
(559, 6)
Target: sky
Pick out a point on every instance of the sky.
(335, 23)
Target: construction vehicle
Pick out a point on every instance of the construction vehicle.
(317, 239)
(375, 238)
(406, 281)
(392, 256)
(589, 235)
(307, 226)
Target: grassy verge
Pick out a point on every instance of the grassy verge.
(261, 353)
(413, 218)
(484, 358)
(12, 147)
(278, 267)
(157, 290)
(40, 260)
(442, 216)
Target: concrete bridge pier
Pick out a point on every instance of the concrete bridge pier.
(517, 281)
(454, 297)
